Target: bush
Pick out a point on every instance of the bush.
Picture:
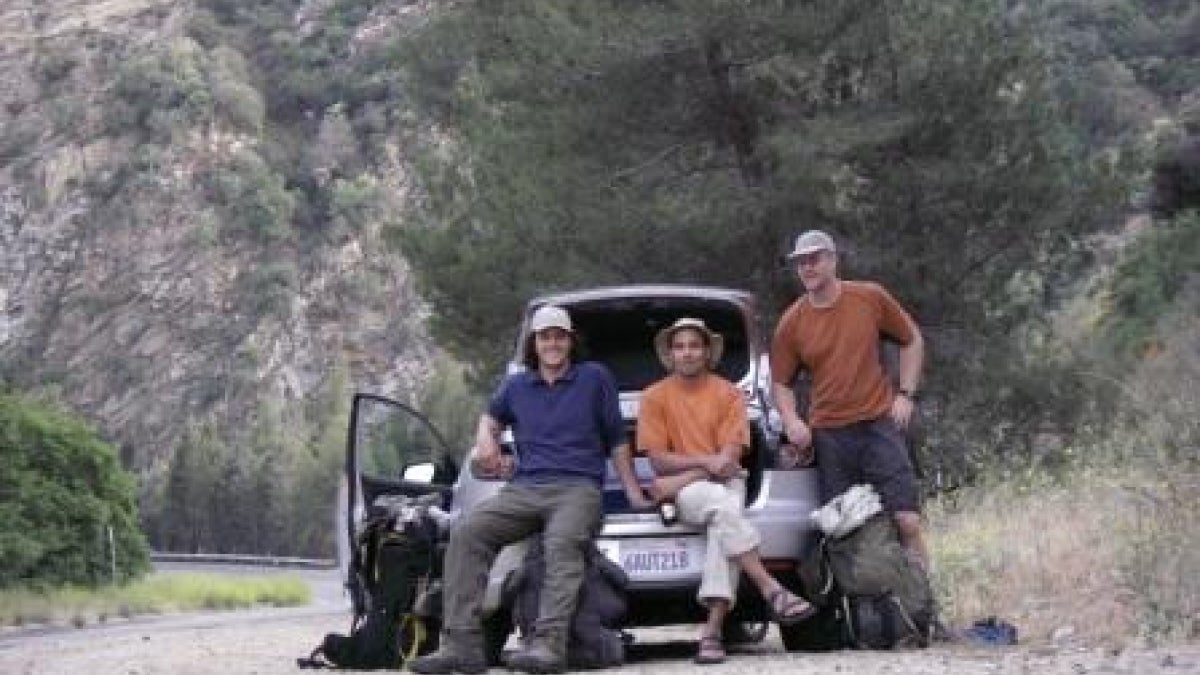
(1149, 279)
(64, 498)
(168, 82)
(252, 196)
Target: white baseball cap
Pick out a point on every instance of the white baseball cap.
(549, 316)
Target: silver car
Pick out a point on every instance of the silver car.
(617, 326)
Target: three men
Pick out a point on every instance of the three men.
(565, 418)
(692, 425)
(856, 419)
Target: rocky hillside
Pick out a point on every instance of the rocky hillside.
(157, 266)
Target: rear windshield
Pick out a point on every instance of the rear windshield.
(620, 334)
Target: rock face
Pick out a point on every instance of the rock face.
(121, 285)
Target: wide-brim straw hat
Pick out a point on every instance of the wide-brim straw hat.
(662, 341)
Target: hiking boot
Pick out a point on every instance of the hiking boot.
(457, 653)
(543, 655)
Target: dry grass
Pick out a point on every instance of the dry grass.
(1110, 553)
(156, 594)
(1040, 556)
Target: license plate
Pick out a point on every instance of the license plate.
(651, 558)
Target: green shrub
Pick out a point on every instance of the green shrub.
(251, 196)
(165, 85)
(240, 104)
(67, 508)
(1148, 280)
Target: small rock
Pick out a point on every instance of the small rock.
(1062, 634)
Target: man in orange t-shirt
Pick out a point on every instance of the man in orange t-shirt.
(692, 425)
(856, 420)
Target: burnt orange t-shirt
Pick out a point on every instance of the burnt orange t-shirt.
(694, 418)
(839, 346)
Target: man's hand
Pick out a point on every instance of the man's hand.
(638, 500)
(722, 467)
(902, 410)
(487, 460)
(792, 456)
(798, 433)
(664, 488)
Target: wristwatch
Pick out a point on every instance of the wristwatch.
(908, 394)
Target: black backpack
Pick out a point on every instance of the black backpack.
(595, 640)
(883, 598)
(392, 564)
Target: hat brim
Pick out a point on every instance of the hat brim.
(807, 250)
(662, 345)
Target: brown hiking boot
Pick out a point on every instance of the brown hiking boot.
(458, 653)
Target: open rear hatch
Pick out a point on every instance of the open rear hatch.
(619, 332)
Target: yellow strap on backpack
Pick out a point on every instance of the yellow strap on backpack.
(417, 626)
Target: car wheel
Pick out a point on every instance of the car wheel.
(823, 632)
(744, 632)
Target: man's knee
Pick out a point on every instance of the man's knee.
(734, 531)
(908, 523)
(472, 534)
(565, 544)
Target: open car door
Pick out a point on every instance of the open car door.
(391, 449)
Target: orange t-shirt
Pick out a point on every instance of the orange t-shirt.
(694, 418)
(839, 346)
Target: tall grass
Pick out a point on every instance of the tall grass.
(154, 595)
(1106, 550)
(1102, 556)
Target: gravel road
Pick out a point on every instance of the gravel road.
(268, 641)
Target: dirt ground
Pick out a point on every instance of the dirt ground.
(269, 641)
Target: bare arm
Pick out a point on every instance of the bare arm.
(795, 428)
(912, 358)
(671, 463)
(623, 462)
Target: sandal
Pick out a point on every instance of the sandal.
(788, 608)
(710, 650)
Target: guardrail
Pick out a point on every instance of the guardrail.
(244, 559)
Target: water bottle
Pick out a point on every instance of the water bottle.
(668, 513)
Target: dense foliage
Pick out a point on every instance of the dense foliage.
(67, 509)
(615, 142)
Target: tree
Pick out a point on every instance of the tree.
(67, 508)
(586, 143)
(189, 521)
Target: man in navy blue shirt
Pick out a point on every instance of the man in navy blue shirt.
(565, 419)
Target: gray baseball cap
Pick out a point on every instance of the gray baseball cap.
(811, 242)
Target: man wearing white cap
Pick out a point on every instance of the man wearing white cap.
(692, 425)
(856, 419)
(565, 418)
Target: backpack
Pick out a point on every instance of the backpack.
(392, 564)
(594, 639)
(884, 598)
